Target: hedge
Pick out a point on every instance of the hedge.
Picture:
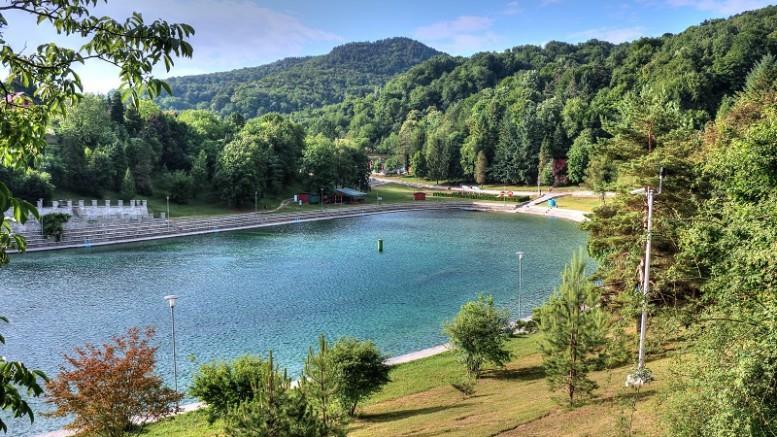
(479, 196)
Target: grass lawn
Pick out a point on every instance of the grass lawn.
(514, 401)
(586, 204)
(210, 206)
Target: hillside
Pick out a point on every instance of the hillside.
(293, 84)
(525, 106)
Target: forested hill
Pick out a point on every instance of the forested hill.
(292, 84)
(504, 116)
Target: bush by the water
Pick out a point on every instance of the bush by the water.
(224, 386)
(54, 225)
(478, 333)
(480, 196)
(111, 389)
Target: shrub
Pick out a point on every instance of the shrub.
(478, 333)
(224, 386)
(178, 185)
(320, 384)
(54, 225)
(29, 185)
(111, 389)
(479, 196)
(361, 371)
(275, 409)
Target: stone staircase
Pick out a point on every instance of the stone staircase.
(161, 228)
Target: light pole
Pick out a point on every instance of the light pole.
(321, 199)
(639, 378)
(168, 212)
(256, 200)
(520, 254)
(171, 298)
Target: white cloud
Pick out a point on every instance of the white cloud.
(462, 35)
(447, 29)
(229, 34)
(512, 8)
(614, 35)
(725, 7)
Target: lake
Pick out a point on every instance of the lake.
(279, 288)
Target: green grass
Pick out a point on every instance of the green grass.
(586, 204)
(515, 400)
(194, 424)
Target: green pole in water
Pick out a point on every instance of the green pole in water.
(380, 245)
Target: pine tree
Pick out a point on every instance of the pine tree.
(574, 332)
(128, 185)
(481, 168)
(117, 108)
(319, 384)
(418, 164)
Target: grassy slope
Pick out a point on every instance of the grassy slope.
(586, 204)
(515, 401)
(203, 206)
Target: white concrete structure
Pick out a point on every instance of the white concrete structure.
(92, 214)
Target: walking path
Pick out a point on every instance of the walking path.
(161, 229)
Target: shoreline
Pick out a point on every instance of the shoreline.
(565, 214)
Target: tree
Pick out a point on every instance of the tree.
(200, 170)
(577, 157)
(110, 389)
(361, 371)
(319, 383)
(16, 381)
(276, 410)
(128, 185)
(437, 156)
(478, 333)
(117, 108)
(133, 45)
(481, 168)
(242, 169)
(319, 166)
(223, 386)
(574, 330)
(418, 164)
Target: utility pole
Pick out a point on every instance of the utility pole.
(639, 378)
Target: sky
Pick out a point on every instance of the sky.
(244, 33)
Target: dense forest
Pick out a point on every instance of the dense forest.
(293, 84)
(505, 117)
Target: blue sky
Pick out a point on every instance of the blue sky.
(240, 33)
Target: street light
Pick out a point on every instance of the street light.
(256, 200)
(321, 199)
(520, 254)
(171, 298)
(168, 219)
(640, 377)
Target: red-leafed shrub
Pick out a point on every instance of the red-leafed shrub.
(112, 388)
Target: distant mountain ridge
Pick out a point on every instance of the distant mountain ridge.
(293, 84)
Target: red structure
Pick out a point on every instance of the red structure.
(419, 195)
(304, 197)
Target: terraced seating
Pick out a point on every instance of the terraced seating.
(148, 230)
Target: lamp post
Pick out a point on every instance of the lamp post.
(520, 254)
(171, 298)
(256, 201)
(321, 199)
(168, 211)
(640, 377)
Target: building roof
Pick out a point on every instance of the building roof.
(350, 192)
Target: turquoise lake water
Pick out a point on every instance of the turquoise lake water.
(279, 288)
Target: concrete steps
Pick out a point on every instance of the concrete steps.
(125, 233)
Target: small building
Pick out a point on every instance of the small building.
(303, 197)
(420, 195)
(349, 195)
